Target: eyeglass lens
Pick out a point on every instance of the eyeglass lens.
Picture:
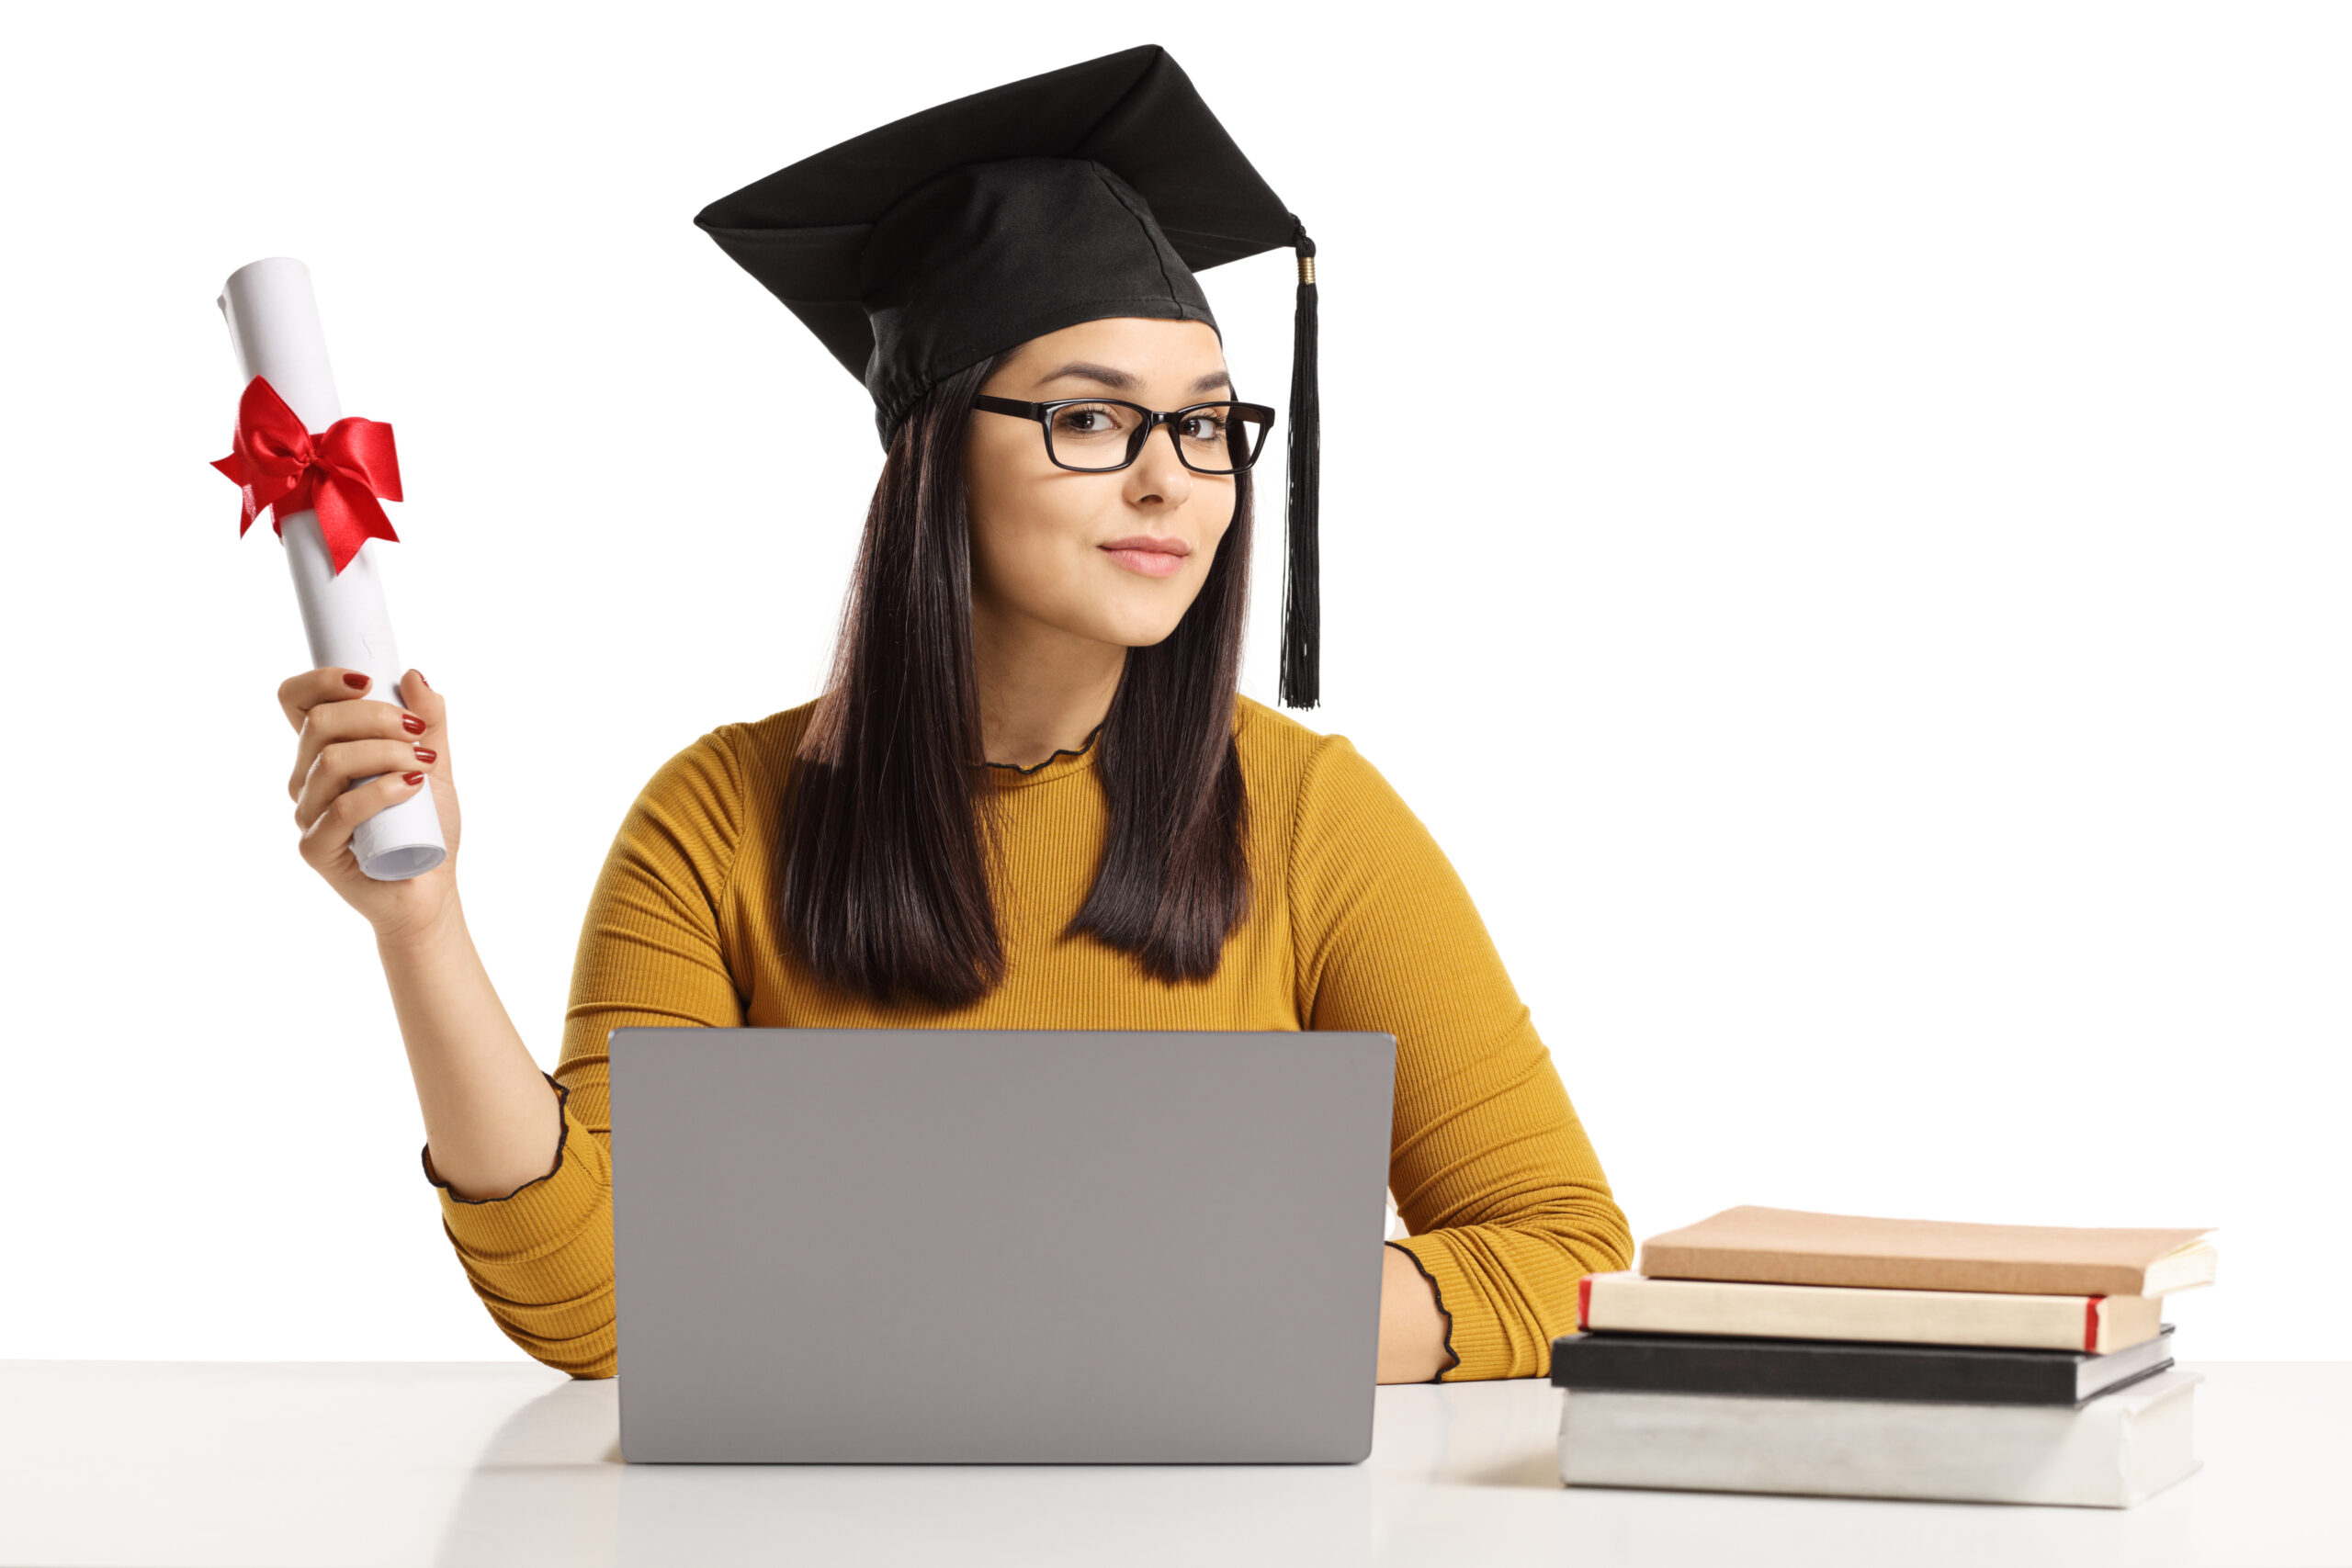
(1215, 438)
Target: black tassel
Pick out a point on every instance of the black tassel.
(1302, 605)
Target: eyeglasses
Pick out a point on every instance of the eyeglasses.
(1101, 436)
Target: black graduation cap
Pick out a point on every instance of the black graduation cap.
(921, 248)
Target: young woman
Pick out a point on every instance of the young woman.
(1030, 797)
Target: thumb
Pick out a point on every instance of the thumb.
(426, 702)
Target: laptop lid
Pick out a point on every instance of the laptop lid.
(1022, 1247)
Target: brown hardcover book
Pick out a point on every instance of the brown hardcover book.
(1795, 1246)
(1627, 1302)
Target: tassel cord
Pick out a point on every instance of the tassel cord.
(1302, 600)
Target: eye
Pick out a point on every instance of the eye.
(1089, 419)
(1204, 426)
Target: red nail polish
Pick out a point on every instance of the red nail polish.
(421, 679)
(413, 724)
(414, 778)
(355, 681)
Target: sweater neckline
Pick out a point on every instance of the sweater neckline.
(1061, 765)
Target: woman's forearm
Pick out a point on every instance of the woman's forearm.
(1412, 1329)
(491, 1121)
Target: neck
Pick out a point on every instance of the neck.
(1042, 689)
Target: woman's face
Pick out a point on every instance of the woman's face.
(1116, 558)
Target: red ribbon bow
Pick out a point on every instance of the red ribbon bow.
(340, 474)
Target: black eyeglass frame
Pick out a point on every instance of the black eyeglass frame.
(1152, 419)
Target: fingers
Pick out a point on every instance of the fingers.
(340, 761)
(327, 837)
(298, 694)
(348, 731)
(329, 721)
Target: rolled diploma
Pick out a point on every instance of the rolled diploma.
(273, 326)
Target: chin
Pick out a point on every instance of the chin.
(1136, 631)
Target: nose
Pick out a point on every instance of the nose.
(1159, 475)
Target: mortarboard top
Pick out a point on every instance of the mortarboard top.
(922, 247)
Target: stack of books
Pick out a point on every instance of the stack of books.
(1839, 1355)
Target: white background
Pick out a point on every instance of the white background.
(1835, 517)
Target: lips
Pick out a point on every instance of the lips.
(1147, 555)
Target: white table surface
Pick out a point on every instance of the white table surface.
(132, 1463)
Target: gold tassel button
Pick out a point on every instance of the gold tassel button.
(1306, 272)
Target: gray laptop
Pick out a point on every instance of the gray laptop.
(1014, 1247)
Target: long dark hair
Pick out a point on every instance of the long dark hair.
(892, 828)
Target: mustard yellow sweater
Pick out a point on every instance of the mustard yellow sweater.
(1357, 923)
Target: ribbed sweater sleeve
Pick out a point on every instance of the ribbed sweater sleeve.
(1493, 1173)
(650, 954)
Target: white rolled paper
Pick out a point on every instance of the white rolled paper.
(273, 326)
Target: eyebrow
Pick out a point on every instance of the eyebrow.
(1119, 380)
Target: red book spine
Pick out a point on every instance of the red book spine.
(2090, 1323)
(1584, 1301)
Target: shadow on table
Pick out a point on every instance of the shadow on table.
(550, 1486)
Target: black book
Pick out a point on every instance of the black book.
(1848, 1369)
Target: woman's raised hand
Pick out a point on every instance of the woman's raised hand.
(348, 732)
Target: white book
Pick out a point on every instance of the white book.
(2112, 1452)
